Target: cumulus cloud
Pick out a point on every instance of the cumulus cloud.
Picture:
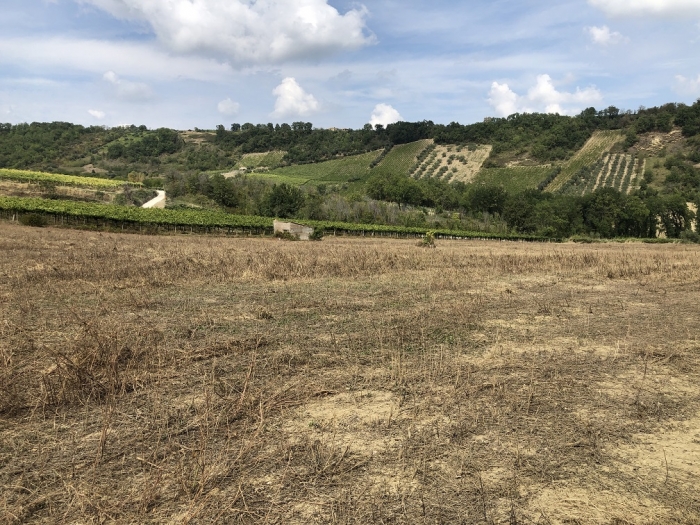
(228, 107)
(542, 97)
(292, 100)
(245, 31)
(99, 115)
(503, 99)
(604, 37)
(648, 7)
(126, 90)
(688, 86)
(384, 114)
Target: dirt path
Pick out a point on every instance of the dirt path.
(156, 202)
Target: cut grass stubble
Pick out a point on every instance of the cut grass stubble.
(161, 379)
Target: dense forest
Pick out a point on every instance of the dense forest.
(186, 166)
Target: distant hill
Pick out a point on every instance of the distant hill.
(530, 173)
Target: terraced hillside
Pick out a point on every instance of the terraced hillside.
(451, 163)
(402, 159)
(619, 171)
(600, 143)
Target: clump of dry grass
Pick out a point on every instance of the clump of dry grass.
(187, 379)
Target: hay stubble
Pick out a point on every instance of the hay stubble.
(189, 379)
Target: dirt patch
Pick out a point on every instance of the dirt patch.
(89, 168)
(652, 143)
(670, 456)
(355, 420)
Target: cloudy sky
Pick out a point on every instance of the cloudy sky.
(199, 63)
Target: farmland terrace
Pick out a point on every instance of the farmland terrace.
(188, 379)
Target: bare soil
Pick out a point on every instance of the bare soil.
(653, 143)
(222, 380)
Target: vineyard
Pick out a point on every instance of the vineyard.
(347, 169)
(402, 158)
(270, 159)
(621, 172)
(100, 216)
(600, 143)
(514, 179)
(38, 177)
(451, 163)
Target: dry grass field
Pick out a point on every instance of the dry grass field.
(218, 380)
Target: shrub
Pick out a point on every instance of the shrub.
(428, 240)
(690, 236)
(33, 219)
(286, 236)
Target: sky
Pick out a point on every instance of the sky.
(339, 63)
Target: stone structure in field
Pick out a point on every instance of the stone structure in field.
(292, 228)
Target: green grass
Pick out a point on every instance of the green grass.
(292, 180)
(62, 180)
(599, 143)
(514, 179)
(336, 171)
(657, 166)
(401, 158)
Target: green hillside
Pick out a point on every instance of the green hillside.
(338, 171)
(401, 159)
(514, 179)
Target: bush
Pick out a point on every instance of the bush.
(286, 236)
(690, 236)
(428, 241)
(33, 219)
(317, 234)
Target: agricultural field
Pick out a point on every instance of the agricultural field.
(213, 380)
(619, 171)
(600, 143)
(515, 178)
(338, 171)
(37, 177)
(90, 215)
(452, 163)
(402, 158)
(270, 159)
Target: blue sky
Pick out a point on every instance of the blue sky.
(199, 63)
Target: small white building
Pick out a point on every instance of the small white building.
(298, 230)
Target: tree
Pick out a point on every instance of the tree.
(283, 201)
(222, 191)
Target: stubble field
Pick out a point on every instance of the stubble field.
(216, 380)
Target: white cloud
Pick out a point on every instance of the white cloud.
(228, 107)
(384, 114)
(99, 115)
(503, 99)
(543, 97)
(688, 86)
(126, 90)
(245, 31)
(292, 100)
(94, 56)
(604, 37)
(648, 7)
